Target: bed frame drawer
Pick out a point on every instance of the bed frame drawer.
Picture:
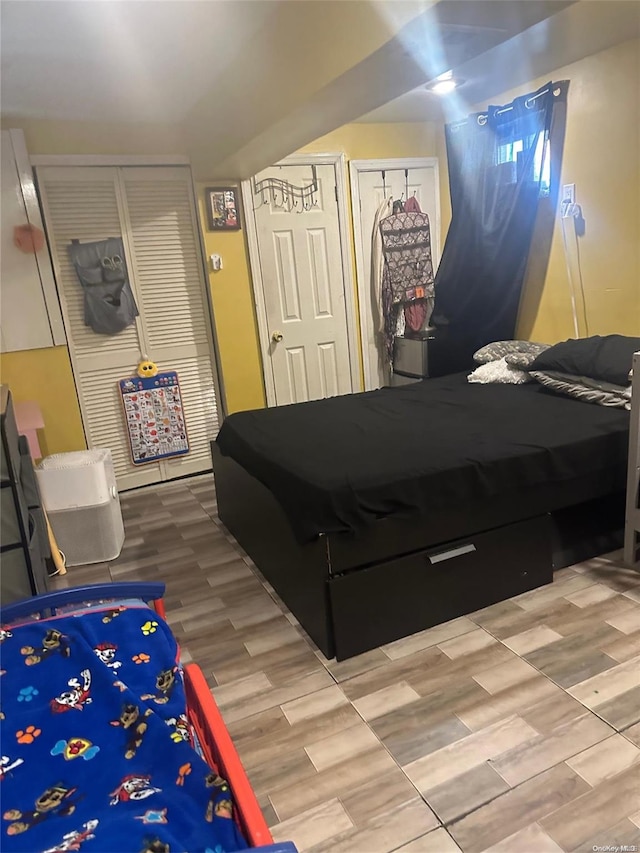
(399, 597)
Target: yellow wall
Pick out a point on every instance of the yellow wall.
(84, 137)
(234, 316)
(370, 141)
(45, 375)
(602, 157)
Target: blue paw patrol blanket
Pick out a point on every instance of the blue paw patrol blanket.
(96, 748)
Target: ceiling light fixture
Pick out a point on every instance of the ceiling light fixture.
(444, 83)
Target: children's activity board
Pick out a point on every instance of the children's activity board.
(154, 416)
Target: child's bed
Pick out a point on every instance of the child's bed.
(107, 742)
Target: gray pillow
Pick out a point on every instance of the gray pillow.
(521, 360)
(584, 388)
(500, 349)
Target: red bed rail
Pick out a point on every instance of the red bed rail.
(221, 754)
(158, 606)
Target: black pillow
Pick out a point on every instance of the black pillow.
(606, 358)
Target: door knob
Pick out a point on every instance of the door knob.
(276, 337)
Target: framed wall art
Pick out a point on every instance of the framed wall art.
(223, 208)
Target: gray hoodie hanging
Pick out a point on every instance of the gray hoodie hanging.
(109, 306)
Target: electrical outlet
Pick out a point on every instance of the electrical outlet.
(569, 193)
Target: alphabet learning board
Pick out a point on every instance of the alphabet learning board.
(154, 417)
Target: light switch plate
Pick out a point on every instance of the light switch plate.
(569, 193)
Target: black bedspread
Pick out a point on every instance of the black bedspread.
(339, 464)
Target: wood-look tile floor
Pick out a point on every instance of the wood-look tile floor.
(516, 728)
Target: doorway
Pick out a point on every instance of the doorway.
(301, 271)
(371, 182)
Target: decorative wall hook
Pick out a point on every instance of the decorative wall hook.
(283, 194)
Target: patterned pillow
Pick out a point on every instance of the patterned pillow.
(584, 388)
(521, 360)
(499, 349)
(601, 385)
(500, 372)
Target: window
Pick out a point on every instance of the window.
(510, 151)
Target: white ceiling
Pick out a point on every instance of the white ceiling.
(247, 82)
(156, 60)
(580, 30)
(138, 60)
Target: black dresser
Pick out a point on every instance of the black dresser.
(24, 543)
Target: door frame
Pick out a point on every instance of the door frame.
(338, 161)
(356, 167)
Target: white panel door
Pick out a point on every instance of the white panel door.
(302, 276)
(153, 210)
(421, 183)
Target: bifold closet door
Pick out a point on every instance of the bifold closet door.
(153, 210)
(167, 268)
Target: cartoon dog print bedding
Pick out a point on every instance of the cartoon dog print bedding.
(97, 749)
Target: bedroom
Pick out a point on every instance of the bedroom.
(235, 131)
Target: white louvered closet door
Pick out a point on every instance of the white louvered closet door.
(153, 210)
(167, 269)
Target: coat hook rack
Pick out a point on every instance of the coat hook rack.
(285, 195)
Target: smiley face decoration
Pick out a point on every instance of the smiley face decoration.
(147, 369)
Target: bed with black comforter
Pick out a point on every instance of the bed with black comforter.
(375, 478)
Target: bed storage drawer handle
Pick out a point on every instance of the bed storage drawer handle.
(450, 553)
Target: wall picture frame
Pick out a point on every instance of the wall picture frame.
(223, 208)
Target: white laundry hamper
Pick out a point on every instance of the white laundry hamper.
(80, 496)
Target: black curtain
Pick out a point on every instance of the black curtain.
(498, 170)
